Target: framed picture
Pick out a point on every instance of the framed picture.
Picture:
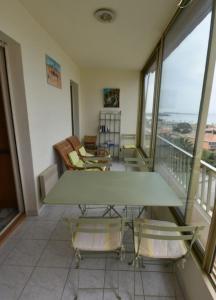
(53, 72)
(111, 97)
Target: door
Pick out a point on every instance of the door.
(9, 204)
(74, 91)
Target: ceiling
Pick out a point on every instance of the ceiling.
(124, 44)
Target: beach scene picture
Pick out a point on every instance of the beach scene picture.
(53, 72)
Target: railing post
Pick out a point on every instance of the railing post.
(209, 192)
(203, 185)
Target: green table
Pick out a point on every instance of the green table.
(112, 188)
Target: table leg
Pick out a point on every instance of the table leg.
(142, 210)
(109, 209)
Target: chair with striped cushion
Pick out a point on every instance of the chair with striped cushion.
(96, 235)
(162, 239)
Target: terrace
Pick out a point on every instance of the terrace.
(131, 85)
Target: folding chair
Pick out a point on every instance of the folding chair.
(162, 240)
(96, 235)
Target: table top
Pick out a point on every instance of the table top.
(112, 188)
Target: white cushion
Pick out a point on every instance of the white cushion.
(83, 152)
(168, 249)
(97, 241)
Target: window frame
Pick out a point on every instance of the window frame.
(206, 258)
(154, 58)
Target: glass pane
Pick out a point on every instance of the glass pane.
(184, 60)
(149, 83)
(206, 194)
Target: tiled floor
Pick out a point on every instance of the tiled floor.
(37, 262)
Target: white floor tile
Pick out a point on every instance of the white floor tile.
(52, 212)
(61, 232)
(111, 279)
(91, 279)
(20, 230)
(138, 284)
(91, 263)
(126, 295)
(70, 289)
(39, 230)
(110, 294)
(12, 281)
(57, 254)
(26, 253)
(90, 294)
(6, 248)
(126, 282)
(158, 284)
(157, 266)
(45, 284)
(159, 298)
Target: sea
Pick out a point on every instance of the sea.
(186, 117)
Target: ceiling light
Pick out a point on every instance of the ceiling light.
(105, 15)
(184, 3)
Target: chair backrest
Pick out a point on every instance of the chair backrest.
(90, 140)
(169, 232)
(96, 225)
(74, 142)
(63, 148)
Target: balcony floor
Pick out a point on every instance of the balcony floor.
(37, 262)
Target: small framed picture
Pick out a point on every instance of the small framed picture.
(53, 72)
(111, 97)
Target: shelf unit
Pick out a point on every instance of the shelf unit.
(109, 131)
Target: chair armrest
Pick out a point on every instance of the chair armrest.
(92, 158)
(95, 165)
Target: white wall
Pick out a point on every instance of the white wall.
(49, 109)
(93, 81)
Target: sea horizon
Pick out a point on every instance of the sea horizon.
(177, 117)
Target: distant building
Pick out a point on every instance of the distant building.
(209, 142)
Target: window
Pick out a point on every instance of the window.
(184, 61)
(147, 112)
(182, 78)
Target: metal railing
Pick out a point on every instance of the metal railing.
(177, 163)
(207, 188)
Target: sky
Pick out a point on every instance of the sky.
(183, 73)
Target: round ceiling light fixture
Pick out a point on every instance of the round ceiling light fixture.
(105, 15)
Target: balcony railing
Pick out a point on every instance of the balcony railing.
(177, 163)
(207, 188)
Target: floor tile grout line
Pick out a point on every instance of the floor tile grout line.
(34, 268)
(3, 262)
(67, 278)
